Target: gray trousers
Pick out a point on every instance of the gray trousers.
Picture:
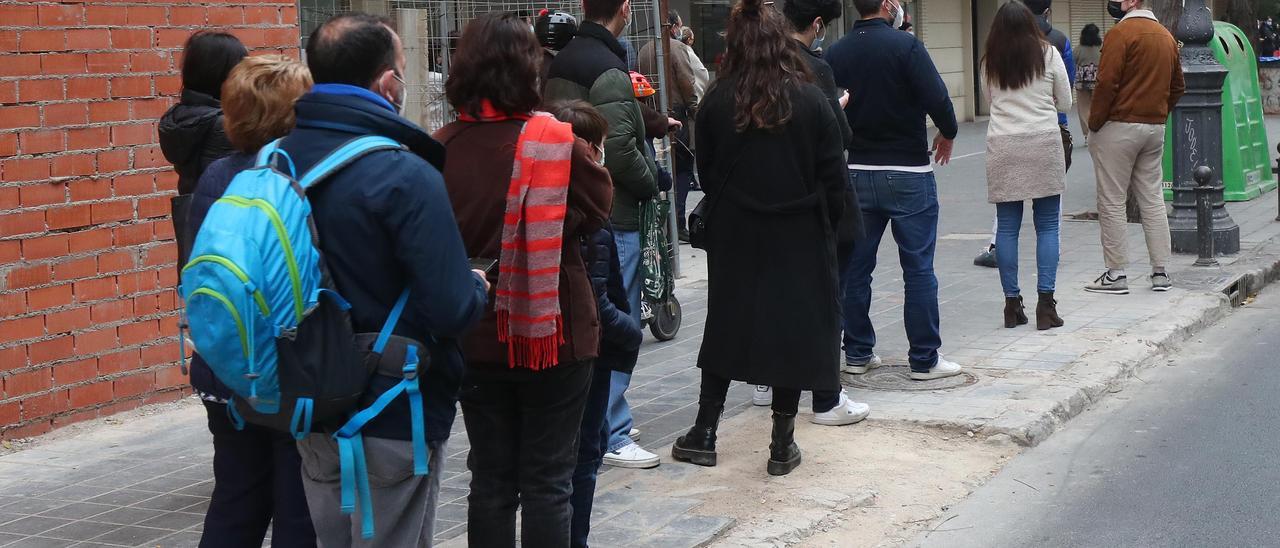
(404, 504)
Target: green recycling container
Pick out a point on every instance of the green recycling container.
(1246, 168)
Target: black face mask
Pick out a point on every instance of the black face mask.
(1114, 9)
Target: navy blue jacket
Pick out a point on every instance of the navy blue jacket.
(385, 223)
(892, 85)
(620, 334)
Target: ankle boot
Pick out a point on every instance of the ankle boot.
(1014, 313)
(784, 454)
(1047, 312)
(698, 446)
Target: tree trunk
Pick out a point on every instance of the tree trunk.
(1168, 12)
(1243, 14)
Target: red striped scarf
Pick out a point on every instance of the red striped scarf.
(528, 292)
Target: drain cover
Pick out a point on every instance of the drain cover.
(898, 378)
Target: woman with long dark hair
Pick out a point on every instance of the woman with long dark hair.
(1027, 82)
(771, 160)
(525, 192)
(1087, 55)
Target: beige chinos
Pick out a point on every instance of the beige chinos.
(1127, 159)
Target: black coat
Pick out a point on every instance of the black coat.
(773, 313)
(620, 334)
(192, 137)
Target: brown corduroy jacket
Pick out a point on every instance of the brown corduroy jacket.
(1139, 76)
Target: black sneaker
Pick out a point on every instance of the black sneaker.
(1160, 282)
(987, 258)
(1107, 284)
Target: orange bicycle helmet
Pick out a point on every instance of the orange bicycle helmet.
(640, 86)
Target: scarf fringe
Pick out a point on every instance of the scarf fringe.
(536, 353)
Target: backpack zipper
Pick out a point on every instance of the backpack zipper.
(283, 235)
(244, 278)
(235, 315)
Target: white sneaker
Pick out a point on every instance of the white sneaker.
(845, 412)
(763, 396)
(860, 368)
(631, 456)
(941, 370)
(634, 434)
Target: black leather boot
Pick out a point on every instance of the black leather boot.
(699, 445)
(784, 454)
(1014, 313)
(1047, 312)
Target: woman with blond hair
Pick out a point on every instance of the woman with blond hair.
(257, 477)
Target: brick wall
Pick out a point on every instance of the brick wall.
(88, 317)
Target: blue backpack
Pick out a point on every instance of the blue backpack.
(263, 311)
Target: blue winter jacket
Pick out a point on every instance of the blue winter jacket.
(620, 334)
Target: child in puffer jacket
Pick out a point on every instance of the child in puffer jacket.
(620, 334)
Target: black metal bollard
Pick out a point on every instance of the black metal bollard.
(1276, 170)
(1204, 215)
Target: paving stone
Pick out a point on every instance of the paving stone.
(132, 535)
(80, 530)
(32, 525)
(78, 510)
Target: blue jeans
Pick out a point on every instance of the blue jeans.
(1046, 214)
(619, 413)
(591, 448)
(910, 202)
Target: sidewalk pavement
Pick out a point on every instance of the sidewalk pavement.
(142, 478)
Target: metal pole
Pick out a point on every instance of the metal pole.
(1276, 170)
(1204, 215)
(662, 52)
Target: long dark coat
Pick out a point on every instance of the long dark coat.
(773, 312)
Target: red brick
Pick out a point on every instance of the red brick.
(117, 362)
(95, 289)
(149, 157)
(49, 297)
(29, 430)
(111, 161)
(168, 85)
(23, 328)
(19, 15)
(8, 199)
(160, 255)
(61, 15)
(170, 377)
(91, 342)
(87, 189)
(65, 114)
(9, 413)
(8, 142)
(168, 276)
(68, 320)
(28, 276)
(75, 269)
(117, 261)
(251, 37)
(19, 116)
(117, 210)
(86, 88)
(33, 169)
(226, 15)
(111, 311)
(23, 222)
(186, 16)
(105, 15)
(169, 299)
(262, 15)
(167, 181)
(159, 206)
(20, 65)
(120, 406)
(108, 62)
(91, 394)
(109, 111)
(40, 142)
(70, 165)
(43, 405)
(131, 86)
(13, 357)
(60, 218)
(8, 92)
(133, 134)
(172, 38)
(42, 40)
(140, 16)
(44, 247)
(134, 234)
(150, 61)
(133, 184)
(42, 194)
(12, 304)
(289, 15)
(160, 354)
(285, 36)
(8, 40)
(149, 109)
(88, 39)
(130, 38)
(30, 382)
(89, 240)
(51, 350)
(145, 305)
(139, 332)
(63, 63)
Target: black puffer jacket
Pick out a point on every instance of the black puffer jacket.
(192, 137)
(620, 335)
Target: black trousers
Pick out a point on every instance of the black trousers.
(523, 426)
(257, 481)
(715, 388)
(593, 442)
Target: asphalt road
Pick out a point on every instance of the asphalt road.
(1186, 456)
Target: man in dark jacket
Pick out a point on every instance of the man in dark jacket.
(893, 84)
(385, 224)
(593, 68)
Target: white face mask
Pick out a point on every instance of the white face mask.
(899, 16)
(600, 160)
(403, 96)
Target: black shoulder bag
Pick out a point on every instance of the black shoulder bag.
(698, 218)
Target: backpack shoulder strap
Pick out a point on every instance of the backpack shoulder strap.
(344, 155)
(269, 151)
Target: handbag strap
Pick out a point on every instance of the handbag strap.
(724, 183)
